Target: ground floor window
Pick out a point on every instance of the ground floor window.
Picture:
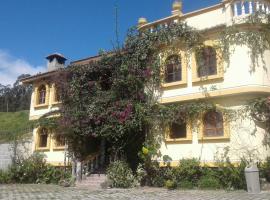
(213, 124)
(43, 138)
(178, 130)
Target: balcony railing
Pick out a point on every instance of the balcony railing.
(239, 8)
(242, 8)
(164, 23)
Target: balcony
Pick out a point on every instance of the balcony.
(243, 8)
(235, 9)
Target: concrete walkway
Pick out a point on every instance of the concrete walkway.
(35, 192)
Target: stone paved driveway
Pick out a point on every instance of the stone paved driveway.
(36, 192)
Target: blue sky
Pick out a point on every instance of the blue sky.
(32, 29)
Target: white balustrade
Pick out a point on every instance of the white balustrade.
(246, 7)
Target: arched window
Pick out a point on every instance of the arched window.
(173, 69)
(206, 61)
(42, 94)
(213, 124)
(43, 135)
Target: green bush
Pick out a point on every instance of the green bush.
(170, 184)
(189, 174)
(232, 177)
(265, 169)
(158, 176)
(209, 182)
(33, 170)
(188, 170)
(185, 184)
(4, 177)
(121, 175)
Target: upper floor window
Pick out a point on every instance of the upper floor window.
(178, 131)
(173, 69)
(59, 140)
(42, 94)
(206, 61)
(213, 124)
(43, 138)
(57, 96)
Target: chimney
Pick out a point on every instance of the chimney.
(55, 61)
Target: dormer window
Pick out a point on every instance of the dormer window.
(206, 59)
(42, 94)
(173, 69)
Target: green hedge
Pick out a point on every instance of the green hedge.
(33, 170)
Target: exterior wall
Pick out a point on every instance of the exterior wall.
(205, 19)
(54, 156)
(6, 152)
(237, 75)
(237, 83)
(245, 139)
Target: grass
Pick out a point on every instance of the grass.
(14, 123)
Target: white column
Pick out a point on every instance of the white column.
(243, 7)
(250, 7)
(257, 6)
(263, 7)
(235, 9)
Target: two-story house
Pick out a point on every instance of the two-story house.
(187, 79)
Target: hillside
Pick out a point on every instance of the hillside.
(14, 122)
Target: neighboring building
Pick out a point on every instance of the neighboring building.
(184, 82)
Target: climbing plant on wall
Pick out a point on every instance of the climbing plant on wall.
(116, 96)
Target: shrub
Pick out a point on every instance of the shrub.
(34, 170)
(232, 177)
(185, 184)
(189, 170)
(158, 176)
(121, 175)
(209, 182)
(4, 177)
(265, 169)
(170, 184)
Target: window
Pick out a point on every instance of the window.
(42, 94)
(178, 131)
(59, 141)
(206, 61)
(57, 96)
(43, 138)
(173, 69)
(213, 124)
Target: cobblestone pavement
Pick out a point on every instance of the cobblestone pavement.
(56, 192)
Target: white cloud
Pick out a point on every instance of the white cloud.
(11, 67)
